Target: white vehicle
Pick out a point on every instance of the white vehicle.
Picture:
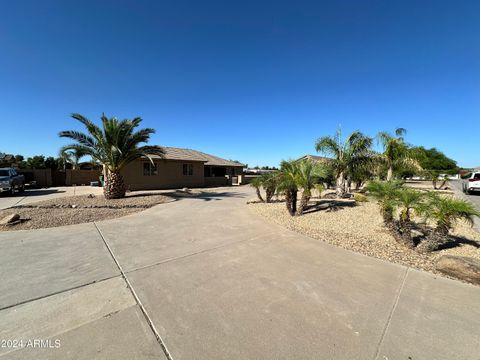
(471, 183)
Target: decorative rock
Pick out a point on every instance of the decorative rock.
(461, 267)
(74, 206)
(10, 219)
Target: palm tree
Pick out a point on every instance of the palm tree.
(385, 192)
(287, 184)
(309, 174)
(407, 200)
(445, 211)
(396, 153)
(256, 183)
(269, 183)
(71, 157)
(348, 156)
(114, 146)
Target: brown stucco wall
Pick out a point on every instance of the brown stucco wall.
(81, 177)
(169, 176)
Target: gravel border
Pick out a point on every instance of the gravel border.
(360, 229)
(72, 210)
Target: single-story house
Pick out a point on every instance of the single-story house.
(315, 158)
(181, 168)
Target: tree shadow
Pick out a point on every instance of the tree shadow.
(36, 192)
(202, 195)
(329, 205)
(456, 241)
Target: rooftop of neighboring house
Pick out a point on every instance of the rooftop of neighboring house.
(314, 158)
(6, 157)
(173, 153)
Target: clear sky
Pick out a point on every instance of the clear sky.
(257, 81)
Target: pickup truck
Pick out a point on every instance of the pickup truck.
(11, 181)
(471, 183)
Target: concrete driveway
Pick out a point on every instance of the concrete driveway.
(203, 278)
(35, 195)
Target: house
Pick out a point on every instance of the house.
(315, 158)
(181, 168)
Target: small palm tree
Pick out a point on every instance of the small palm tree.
(256, 183)
(445, 211)
(407, 200)
(385, 192)
(309, 175)
(347, 156)
(287, 184)
(269, 183)
(396, 153)
(114, 146)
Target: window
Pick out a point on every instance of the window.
(149, 169)
(187, 169)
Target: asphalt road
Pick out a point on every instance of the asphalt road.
(474, 199)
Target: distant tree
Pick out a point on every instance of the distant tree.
(434, 160)
(51, 163)
(36, 162)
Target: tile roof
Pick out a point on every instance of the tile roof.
(315, 158)
(172, 153)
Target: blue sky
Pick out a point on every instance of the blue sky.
(257, 81)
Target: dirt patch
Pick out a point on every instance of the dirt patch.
(79, 209)
(360, 229)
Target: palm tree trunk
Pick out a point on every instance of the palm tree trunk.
(291, 201)
(390, 173)
(340, 185)
(114, 186)
(303, 204)
(269, 194)
(259, 195)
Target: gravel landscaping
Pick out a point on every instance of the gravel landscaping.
(78, 209)
(360, 229)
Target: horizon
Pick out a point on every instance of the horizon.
(252, 82)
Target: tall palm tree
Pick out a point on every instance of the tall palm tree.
(396, 153)
(114, 146)
(347, 156)
(287, 184)
(308, 175)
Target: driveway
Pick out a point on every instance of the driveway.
(203, 278)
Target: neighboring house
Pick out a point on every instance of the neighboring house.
(181, 168)
(315, 158)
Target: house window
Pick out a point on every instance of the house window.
(187, 169)
(149, 169)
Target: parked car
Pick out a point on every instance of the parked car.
(471, 183)
(11, 181)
